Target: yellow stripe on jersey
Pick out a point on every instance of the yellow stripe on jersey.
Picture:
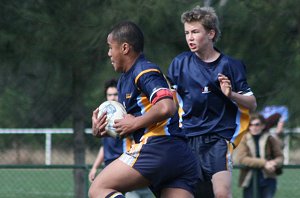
(143, 72)
(155, 129)
(158, 129)
(180, 113)
(243, 120)
(116, 194)
(145, 102)
(180, 108)
(130, 156)
(128, 141)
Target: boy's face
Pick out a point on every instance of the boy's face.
(112, 94)
(197, 37)
(115, 53)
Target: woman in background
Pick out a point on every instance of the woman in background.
(259, 152)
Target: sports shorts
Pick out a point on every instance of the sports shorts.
(166, 161)
(214, 153)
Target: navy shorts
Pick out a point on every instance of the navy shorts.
(166, 161)
(214, 154)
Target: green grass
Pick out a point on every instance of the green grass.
(287, 184)
(36, 183)
(58, 183)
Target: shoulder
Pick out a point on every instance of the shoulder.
(232, 62)
(235, 67)
(183, 55)
(144, 66)
(247, 137)
(181, 60)
(273, 139)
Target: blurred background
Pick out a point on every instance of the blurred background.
(53, 63)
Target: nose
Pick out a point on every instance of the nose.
(190, 36)
(109, 53)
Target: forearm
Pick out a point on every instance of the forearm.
(99, 159)
(253, 162)
(279, 127)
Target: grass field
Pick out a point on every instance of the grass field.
(36, 183)
(58, 183)
(287, 186)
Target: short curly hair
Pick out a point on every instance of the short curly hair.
(206, 16)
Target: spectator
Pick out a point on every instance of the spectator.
(260, 153)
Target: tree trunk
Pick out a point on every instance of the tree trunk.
(78, 135)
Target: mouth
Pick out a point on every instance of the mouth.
(192, 46)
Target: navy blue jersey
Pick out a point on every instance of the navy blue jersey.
(203, 110)
(113, 148)
(138, 89)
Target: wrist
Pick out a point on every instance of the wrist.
(231, 96)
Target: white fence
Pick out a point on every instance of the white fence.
(48, 137)
(50, 131)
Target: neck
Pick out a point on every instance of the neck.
(131, 60)
(209, 55)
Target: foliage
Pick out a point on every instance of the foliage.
(266, 37)
(47, 46)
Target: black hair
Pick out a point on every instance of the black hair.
(110, 83)
(129, 32)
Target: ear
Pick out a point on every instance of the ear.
(211, 34)
(125, 48)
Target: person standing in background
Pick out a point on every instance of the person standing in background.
(259, 153)
(113, 147)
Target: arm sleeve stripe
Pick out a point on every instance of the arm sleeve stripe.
(143, 72)
(162, 93)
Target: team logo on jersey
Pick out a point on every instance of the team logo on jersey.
(128, 96)
(205, 90)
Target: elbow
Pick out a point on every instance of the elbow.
(168, 110)
(254, 106)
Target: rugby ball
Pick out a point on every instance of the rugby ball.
(115, 110)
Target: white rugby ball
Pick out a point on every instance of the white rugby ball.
(115, 110)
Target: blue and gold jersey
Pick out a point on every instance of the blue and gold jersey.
(202, 109)
(139, 88)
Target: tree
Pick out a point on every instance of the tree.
(54, 55)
